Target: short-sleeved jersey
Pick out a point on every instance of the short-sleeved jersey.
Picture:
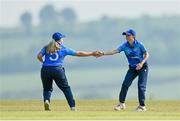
(56, 59)
(134, 54)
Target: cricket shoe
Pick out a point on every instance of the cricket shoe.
(141, 108)
(47, 105)
(73, 109)
(120, 106)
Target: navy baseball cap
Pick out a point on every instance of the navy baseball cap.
(129, 32)
(57, 36)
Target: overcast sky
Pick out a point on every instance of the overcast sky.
(10, 10)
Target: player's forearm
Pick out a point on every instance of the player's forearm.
(146, 56)
(112, 52)
(84, 54)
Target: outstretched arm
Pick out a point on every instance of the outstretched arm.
(85, 54)
(111, 52)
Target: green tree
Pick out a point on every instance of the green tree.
(48, 15)
(26, 21)
(69, 15)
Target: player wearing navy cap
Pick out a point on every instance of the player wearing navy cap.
(52, 68)
(137, 56)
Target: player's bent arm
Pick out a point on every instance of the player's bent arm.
(111, 52)
(83, 53)
(146, 56)
(40, 57)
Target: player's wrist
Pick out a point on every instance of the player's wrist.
(142, 62)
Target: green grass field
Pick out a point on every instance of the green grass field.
(88, 109)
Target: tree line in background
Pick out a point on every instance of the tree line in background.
(159, 34)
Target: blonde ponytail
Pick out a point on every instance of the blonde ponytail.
(52, 47)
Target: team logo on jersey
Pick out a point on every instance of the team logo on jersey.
(135, 49)
(54, 57)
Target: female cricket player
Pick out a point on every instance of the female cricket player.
(52, 68)
(137, 56)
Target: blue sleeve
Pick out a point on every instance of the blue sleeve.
(121, 48)
(43, 51)
(71, 52)
(143, 49)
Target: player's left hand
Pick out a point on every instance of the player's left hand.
(139, 66)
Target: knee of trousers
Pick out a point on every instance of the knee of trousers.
(142, 87)
(50, 89)
(65, 87)
(125, 85)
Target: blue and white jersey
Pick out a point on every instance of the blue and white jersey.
(133, 53)
(57, 58)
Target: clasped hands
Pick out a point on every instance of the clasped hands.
(97, 54)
